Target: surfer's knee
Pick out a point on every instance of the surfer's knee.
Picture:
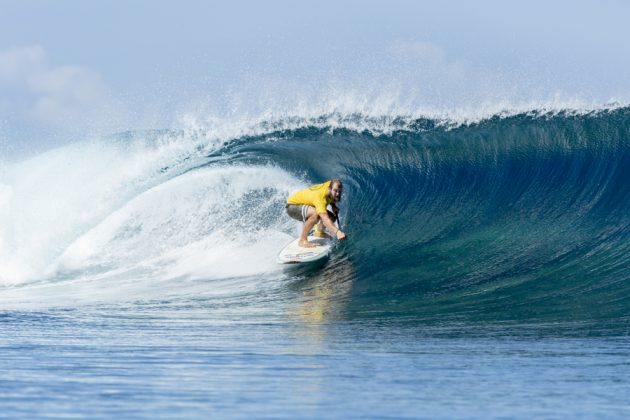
(311, 214)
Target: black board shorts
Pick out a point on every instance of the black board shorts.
(297, 211)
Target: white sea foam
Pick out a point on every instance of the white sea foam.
(380, 113)
(56, 208)
(209, 223)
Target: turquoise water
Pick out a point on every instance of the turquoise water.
(486, 274)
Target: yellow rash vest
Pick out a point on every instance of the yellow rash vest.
(315, 196)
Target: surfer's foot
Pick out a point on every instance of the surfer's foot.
(307, 244)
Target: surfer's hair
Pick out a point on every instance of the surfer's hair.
(336, 181)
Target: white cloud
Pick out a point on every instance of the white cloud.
(17, 64)
(37, 91)
(64, 93)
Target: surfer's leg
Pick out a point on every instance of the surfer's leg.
(311, 219)
(319, 227)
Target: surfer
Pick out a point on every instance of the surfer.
(310, 206)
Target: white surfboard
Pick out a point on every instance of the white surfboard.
(293, 253)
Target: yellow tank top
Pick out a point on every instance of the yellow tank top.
(315, 196)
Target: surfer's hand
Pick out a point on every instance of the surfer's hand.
(340, 235)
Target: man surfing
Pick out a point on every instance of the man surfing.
(310, 206)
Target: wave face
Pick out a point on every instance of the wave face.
(512, 217)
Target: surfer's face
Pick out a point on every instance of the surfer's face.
(336, 191)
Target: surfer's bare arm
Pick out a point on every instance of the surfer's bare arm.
(329, 224)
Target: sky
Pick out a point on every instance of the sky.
(74, 69)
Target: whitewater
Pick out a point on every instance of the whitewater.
(486, 272)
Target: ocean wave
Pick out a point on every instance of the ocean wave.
(516, 214)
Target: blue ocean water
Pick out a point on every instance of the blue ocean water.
(486, 272)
